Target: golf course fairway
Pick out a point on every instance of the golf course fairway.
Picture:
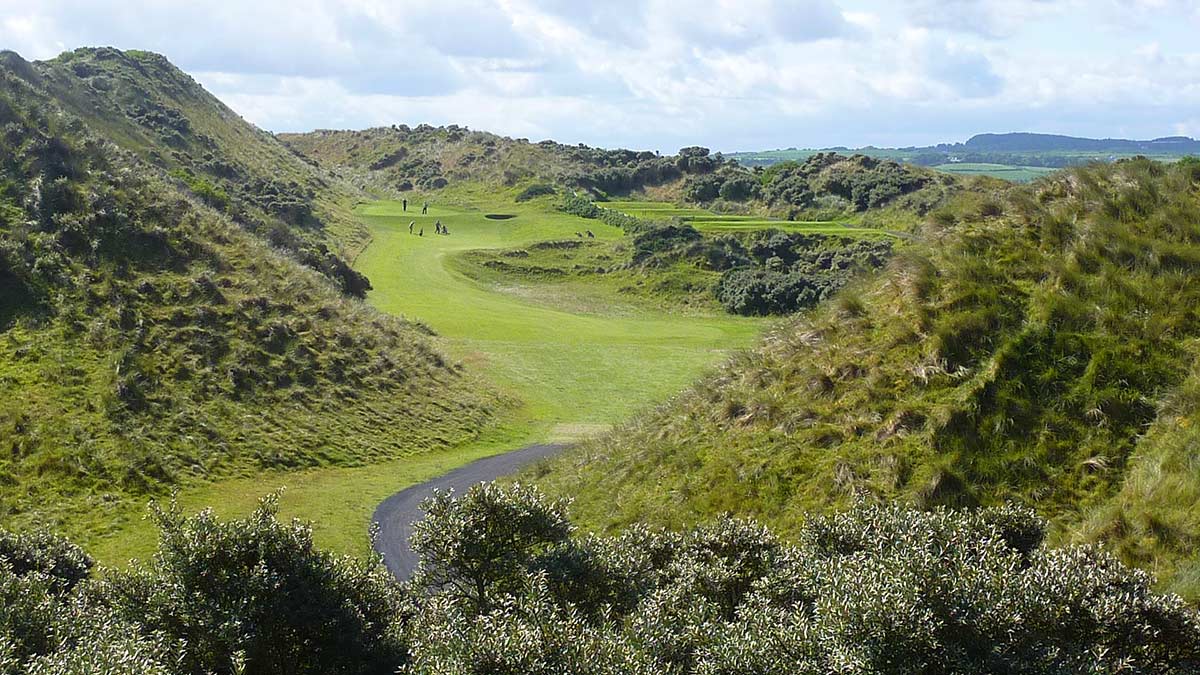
(571, 372)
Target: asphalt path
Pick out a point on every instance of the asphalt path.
(397, 514)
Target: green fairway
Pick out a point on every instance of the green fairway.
(707, 221)
(571, 367)
(1017, 174)
(574, 371)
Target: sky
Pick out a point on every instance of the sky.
(661, 74)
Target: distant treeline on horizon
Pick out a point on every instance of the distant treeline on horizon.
(1016, 149)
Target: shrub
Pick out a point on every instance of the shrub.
(739, 188)
(873, 590)
(60, 560)
(702, 188)
(474, 548)
(256, 591)
(579, 206)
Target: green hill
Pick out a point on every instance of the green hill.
(427, 159)
(1018, 157)
(149, 339)
(146, 106)
(1035, 344)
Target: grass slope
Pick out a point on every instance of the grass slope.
(148, 342)
(144, 104)
(1036, 344)
(576, 362)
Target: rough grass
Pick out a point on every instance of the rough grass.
(1018, 351)
(153, 344)
(570, 367)
(84, 458)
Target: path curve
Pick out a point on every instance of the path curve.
(397, 514)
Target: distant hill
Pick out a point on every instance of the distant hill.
(1010, 149)
(824, 186)
(1025, 142)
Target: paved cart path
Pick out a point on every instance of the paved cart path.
(397, 514)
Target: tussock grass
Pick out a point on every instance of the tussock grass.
(1035, 344)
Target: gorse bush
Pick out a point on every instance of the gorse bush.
(505, 589)
(254, 593)
(873, 590)
(43, 552)
(474, 549)
(583, 207)
(791, 272)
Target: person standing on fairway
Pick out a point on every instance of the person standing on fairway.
(404, 203)
(421, 233)
(410, 225)
(425, 208)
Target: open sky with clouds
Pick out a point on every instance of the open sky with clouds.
(659, 74)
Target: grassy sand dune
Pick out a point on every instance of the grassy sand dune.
(570, 371)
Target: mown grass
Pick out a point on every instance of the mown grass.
(338, 501)
(574, 368)
(574, 363)
(707, 221)
(1017, 174)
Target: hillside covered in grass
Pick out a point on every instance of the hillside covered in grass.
(735, 260)
(145, 105)
(149, 339)
(1036, 344)
(426, 159)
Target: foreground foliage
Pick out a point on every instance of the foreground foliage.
(504, 588)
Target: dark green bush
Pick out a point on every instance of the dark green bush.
(503, 589)
(475, 548)
(739, 188)
(702, 189)
(46, 553)
(579, 206)
(255, 591)
(790, 271)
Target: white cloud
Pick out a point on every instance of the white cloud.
(990, 18)
(662, 73)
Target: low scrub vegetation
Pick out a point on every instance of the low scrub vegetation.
(505, 586)
(754, 273)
